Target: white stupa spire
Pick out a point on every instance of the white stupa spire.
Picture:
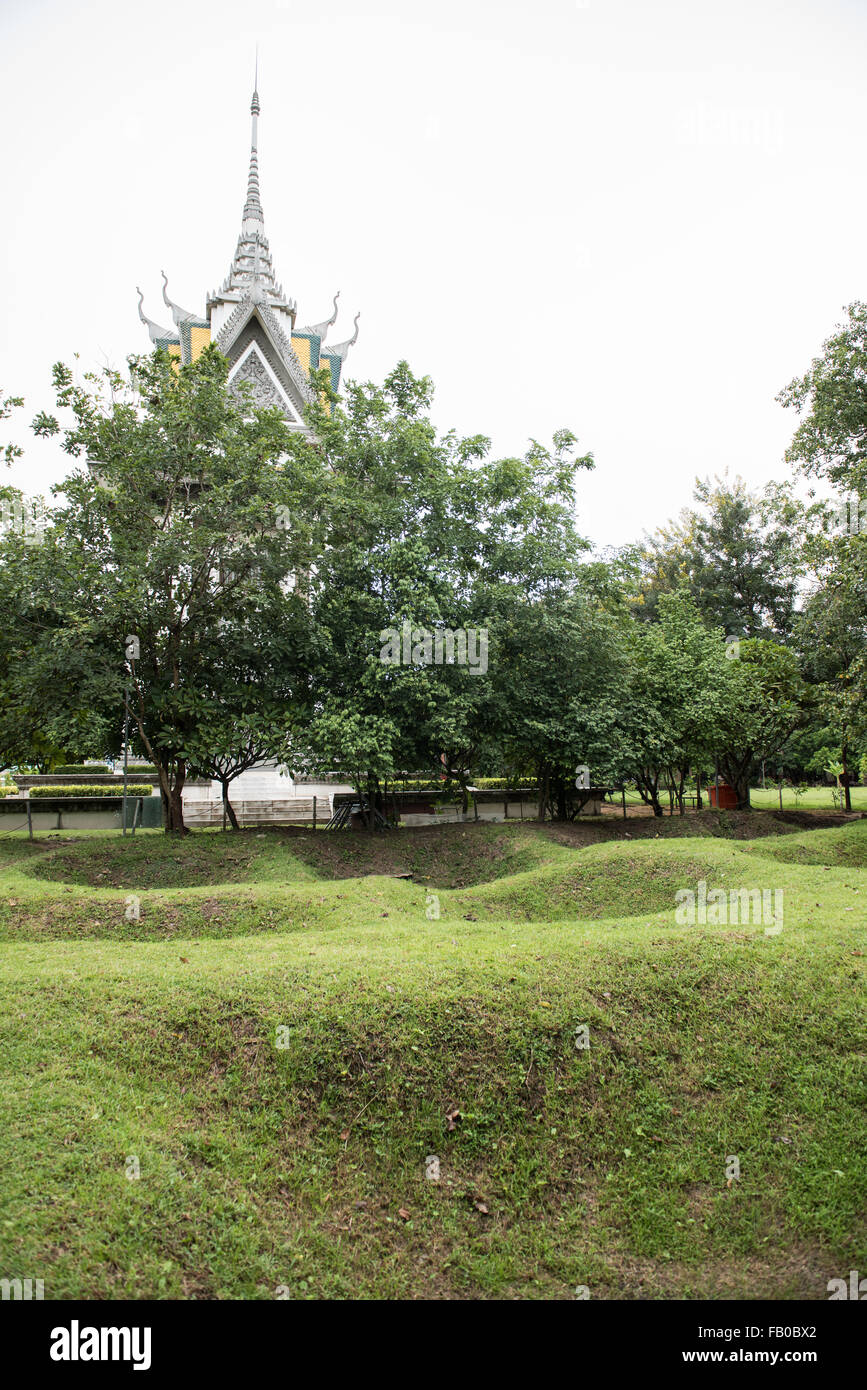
(252, 271)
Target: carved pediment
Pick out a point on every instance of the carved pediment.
(264, 389)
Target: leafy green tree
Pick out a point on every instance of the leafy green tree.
(424, 534)
(831, 637)
(737, 554)
(767, 701)
(231, 739)
(54, 704)
(830, 445)
(831, 398)
(677, 699)
(171, 542)
(560, 667)
(254, 701)
(9, 452)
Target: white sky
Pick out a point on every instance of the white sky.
(636, 219)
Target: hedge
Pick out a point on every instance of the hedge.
(139, 770)
(432, 784)
(79, 769)
(8, 791)
(503, 784)
(133, 789)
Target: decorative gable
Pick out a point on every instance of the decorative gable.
(254, 372)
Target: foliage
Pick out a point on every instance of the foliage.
(738, 555)
(9, 452)
(174, 538)
(80, 768)
(52, 793)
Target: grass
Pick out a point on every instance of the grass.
(286, 1033)
(813, 799)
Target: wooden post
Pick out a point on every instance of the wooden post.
(505, 808)
(314, 813)
(29, 817)
(623, 794)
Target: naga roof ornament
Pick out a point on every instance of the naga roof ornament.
(178, 314)
(341, 350)
(155, 330)
(319, 330)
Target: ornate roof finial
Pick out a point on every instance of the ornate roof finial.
(252, 271)
(253, 205)
(320, 329)
(178, 314)
(341, 349)
(154, 329)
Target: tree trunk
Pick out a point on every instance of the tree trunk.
(844, 758)
(737, 774)
(648, 789)
(228, 807)
(741, 785)
(172, 792)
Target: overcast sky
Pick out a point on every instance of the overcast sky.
(637, 220)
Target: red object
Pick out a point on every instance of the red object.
(728, 799)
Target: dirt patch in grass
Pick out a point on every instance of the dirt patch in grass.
(799, 1273)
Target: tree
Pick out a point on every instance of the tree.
(830, 444)
(560, 668)
(738, 556)
(831, 637)
(676, 701)
(831, 439)
(232, 739)
(54, 702)
(255, 697)
(766, 702)
(9, 451)
(424, 536)
(172, 543)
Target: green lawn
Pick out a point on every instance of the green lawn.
(768, 798)
(813, 799)
(286, 1032)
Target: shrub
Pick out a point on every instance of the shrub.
(503, 784)
(138, 770)
(8, 791)
(439, 784)
(133, 789)
(79, 769)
